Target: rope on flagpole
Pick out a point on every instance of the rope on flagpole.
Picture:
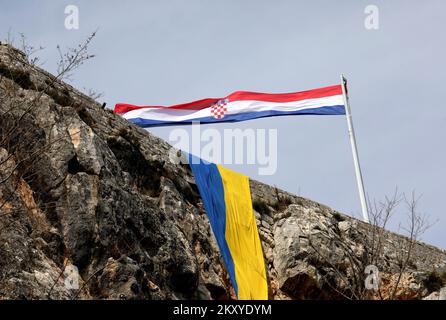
(351, 133)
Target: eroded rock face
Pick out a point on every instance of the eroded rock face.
(103, 196)
(437, 295)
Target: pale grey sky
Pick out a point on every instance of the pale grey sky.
(168, 52)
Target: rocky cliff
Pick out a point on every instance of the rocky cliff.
(81, 186)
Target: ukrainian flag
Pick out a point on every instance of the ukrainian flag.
(227, 199)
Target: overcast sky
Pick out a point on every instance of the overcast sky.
(168, 52)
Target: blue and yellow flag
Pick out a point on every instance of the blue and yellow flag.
(227, 199)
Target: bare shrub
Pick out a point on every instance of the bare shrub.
(349, 280)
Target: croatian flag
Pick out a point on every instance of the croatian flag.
(238, 106)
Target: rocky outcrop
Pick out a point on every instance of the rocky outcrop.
(102, 195)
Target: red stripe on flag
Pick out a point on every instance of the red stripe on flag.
(286, 97)
(194, 105)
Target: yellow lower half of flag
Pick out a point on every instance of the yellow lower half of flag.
(242, 237)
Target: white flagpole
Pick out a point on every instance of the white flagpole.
(351, 133)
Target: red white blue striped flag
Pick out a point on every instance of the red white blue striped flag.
(238, 106)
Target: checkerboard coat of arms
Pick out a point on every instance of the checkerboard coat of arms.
(219, 109)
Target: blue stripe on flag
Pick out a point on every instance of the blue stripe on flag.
(210, 185)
